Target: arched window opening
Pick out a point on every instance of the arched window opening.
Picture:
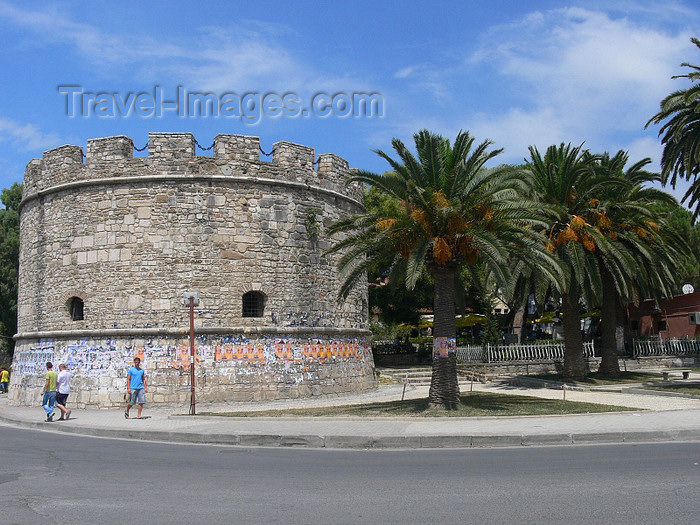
(75, 307)
(253, 304)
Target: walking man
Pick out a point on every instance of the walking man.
(4, 379)
(62, 391)
(49, 391)
(135, 387)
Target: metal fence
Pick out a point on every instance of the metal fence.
(532, 352)
(680, 347)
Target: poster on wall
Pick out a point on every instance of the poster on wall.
(443, 347)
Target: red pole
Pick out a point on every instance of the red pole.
(192, 403)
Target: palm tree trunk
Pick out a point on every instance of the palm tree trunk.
(574, 364)
(519, 321)
(609, 364)
(444, 387)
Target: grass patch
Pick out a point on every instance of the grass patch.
(682, 388)
(473, 404)
(595, 378)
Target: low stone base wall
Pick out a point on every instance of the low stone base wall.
(227, 368)
(522, 367)
(667, 361)
(547, 367)
(393, 360)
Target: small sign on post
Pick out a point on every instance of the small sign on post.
(193, 295)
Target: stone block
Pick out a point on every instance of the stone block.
(32, 177)
(348, 442)
(497, 441)
(236, 148)
(171, 146)
(597, 437)
(62, 158)
(397, 442)
(302, 441)
(294, 156)
(648, 436)
(547, 439)
(116, 397)
(110, 149)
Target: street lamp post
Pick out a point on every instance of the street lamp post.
(192, 300)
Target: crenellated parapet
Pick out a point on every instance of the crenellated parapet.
(234, 157)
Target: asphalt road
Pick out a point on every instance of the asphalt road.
(46, 477)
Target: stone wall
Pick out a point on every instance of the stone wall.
(130, 235)
(227, 368)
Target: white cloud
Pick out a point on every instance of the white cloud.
(26, 137)
(564, 75)
(518, 128)
(645, 147)
(596, 73)
(404, 72)
(242, 57)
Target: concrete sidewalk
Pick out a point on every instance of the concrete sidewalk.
(658, 418)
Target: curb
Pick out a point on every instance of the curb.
(368, 442)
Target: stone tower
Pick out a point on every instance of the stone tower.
(111, 242)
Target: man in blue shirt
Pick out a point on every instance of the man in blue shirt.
(135, 387)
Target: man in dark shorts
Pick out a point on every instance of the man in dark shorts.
(135, 387)
(62, 391)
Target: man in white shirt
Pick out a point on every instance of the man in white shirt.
(62, 391)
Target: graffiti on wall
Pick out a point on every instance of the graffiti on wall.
(33, 360)
(290, 350)
(113, 358)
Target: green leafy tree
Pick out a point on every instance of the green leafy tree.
(453, 211)
(680, 221)
(680, 135)
(637, 253)
(490, 335)
(476, 288)
(527, 280)
(9, 261)
(564, 179)
(394, 303)
(612, 244)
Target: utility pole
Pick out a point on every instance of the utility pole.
(192, 300)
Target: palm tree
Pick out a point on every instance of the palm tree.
(565, 179)
(635, 253)
(681, 135)
(453, 211)
(609, 238)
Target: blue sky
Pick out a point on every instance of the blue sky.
(518, 73)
